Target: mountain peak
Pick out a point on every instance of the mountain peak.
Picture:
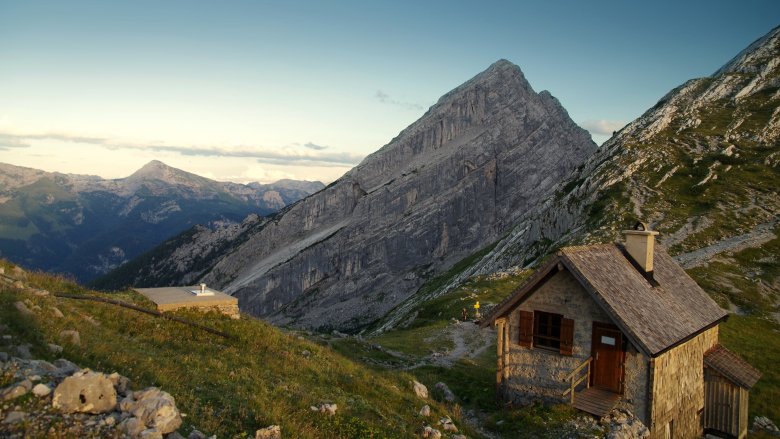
(756, 57)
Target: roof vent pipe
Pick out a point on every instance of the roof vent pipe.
(202, 288)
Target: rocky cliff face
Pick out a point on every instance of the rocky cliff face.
(450, 184)
(701, 167)
(85, 225)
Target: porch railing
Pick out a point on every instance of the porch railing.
(576, 377)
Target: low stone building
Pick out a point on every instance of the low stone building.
(198, 296)
(609, 326)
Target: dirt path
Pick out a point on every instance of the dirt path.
(760, 235)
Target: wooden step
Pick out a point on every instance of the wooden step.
(596, 401)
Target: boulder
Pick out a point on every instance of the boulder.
(87, 392)
(270, 432)
(420, 390)
(156, 409)
(443, 393)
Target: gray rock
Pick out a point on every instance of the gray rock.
(121, 383)
(40, 390)
(195, 434)
(270, 432)
(157, 409)
(87, 392)
(132, 427)
(3, 356)
(425, 410)
(70, 336)
(443, 393)
(14, 417)
(150, 433)
(54, 348)
(174, 435)
(23, 351)
(764, 423)
(65, 367)
(420, 390)
(57, 313)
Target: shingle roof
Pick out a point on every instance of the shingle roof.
(732, 366)
(655, 317)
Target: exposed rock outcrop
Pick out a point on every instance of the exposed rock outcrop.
(450, 184)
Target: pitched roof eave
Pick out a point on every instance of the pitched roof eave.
(520, 293)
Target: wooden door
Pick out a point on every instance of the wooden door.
(607, 351)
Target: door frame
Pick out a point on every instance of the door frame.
(621, 354)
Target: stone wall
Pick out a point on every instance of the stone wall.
(678, 388)
(539, 374)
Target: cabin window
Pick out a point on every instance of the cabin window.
(546, 330)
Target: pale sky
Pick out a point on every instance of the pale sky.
(258, 90)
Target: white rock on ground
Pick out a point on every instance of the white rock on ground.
(157, 409)
(270, 432)
(22, 308)
(14, 417)
(431, 433)
(420, 390)
(425, 410)
(40, 390)
(87, 392)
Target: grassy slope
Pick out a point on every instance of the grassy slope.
(226, 387)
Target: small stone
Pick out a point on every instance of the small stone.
(3, 356)
(57, 313)
(14, 417)
(431, 433)
(270, 432)
(22, 308)
(41, 293)
(459, 436)
(328, 409)
(150, 433)
(65, 367)
(174, 435)
(132, 427)
(157, 409)
(71, 336)
(109, 421)
(40, 390)
(420, 390)
(23, 351)
(13, 392)
(54, 348)
(425, 411)
(195, 434)
(450, 427)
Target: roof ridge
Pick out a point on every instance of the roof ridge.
(580, 248)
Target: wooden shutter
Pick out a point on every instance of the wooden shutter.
(567, 337)
(526, 329)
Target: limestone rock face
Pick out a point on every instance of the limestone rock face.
(86, 392)
(448, 185)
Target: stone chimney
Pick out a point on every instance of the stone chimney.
(640, 243)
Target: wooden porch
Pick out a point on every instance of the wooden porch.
(593, 400)
(598, 402)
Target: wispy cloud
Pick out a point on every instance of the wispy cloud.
(308, 154)
(314, 146)
(8, 141)
(602, 126)
(386, 99)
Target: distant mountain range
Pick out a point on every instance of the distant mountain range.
(85, 226)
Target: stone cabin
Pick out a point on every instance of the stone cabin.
(613, 325)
